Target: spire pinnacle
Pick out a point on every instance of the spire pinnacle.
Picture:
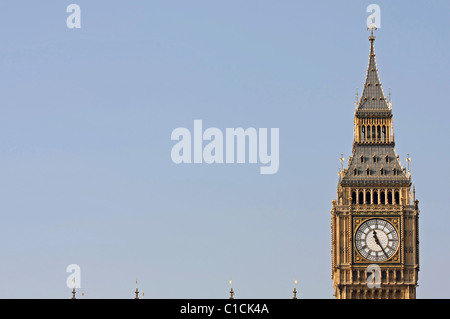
(73, 291)
(372, 98)
(137, 291)
(408, 159)
(372, 27)
(231, 290)
(295, 289)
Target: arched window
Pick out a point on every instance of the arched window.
(398, 275)
(378, 132)
(373, 132)
(384, 133)
(355, 172)
(397, 197)
(361, 197)
(362, 159)
(368, 171)
(375, 197)
(382, 171)
(394, 171)
(387, 158)
(353, 197)
(363, 132)
(368, 131)
(382, 198)
(374, 158)
(368, 197)
(389, 196)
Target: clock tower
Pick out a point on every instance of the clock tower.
(374, 219)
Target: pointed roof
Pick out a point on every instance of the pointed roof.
(364, 170)
(372, 98)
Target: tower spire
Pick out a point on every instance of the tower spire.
(372, 97)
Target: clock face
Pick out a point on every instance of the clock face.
(376, 239)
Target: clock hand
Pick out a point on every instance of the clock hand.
(378, 242)
(376, 238)
(384, 252)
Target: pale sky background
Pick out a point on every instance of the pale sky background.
(86, 116)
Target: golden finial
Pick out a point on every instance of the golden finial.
(295, 289)
(73, 291)
(231, 290)
(371, 26)
(341, 169)
(408, 159)
(137, 291)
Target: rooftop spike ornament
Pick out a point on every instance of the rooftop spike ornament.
(408, 159)
(231, 290)
(341, 169)
(73, 291)
(295, 289)
(372, 27)
(137, 291)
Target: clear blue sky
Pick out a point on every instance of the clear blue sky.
(86, 117)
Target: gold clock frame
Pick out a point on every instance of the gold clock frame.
(395, 222)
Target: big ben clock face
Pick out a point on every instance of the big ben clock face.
(376, 239)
